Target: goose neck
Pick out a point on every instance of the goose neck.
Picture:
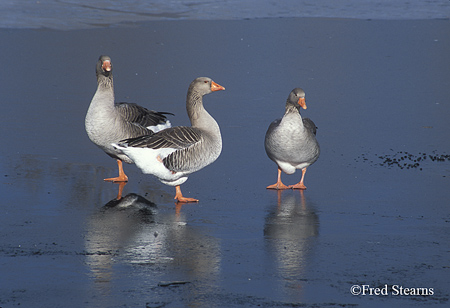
(194, 107)
(105, 82)
(292, 109)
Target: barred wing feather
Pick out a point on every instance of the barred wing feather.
(140, 115)
(179, 137)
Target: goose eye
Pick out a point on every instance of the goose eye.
(205, 81)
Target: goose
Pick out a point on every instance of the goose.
(108, 122)
(291, 141)
(174, 153)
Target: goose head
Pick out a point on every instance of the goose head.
(296, 98)
(204, 85)
(104, 66)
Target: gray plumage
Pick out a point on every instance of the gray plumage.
(108, 122)
(187, 141)
(182, 150)
(290, 141)
(133, 113)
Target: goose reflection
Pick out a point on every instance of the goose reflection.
(290, 231)
(156, 244)
(110, 229)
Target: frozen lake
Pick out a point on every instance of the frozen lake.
(376, 211)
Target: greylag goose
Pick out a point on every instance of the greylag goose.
(291, 141)
(174, 153)
(108, 122)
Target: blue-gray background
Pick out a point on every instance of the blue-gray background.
(377, 83)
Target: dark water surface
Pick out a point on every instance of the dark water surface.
(377, 90)
(87, 14)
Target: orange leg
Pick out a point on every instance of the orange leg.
(122, 176)
(180, 198)
(300, 184)
(278, 184)
(121, 186)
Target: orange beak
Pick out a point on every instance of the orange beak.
(216, 87)
(106, 65)
(301, 102)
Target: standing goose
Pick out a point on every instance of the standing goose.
(174, 153)
(291, 141)
(108, 122)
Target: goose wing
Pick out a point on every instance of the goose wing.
(139, 115)
(177, 138)
(183, 143)
(309, 124)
